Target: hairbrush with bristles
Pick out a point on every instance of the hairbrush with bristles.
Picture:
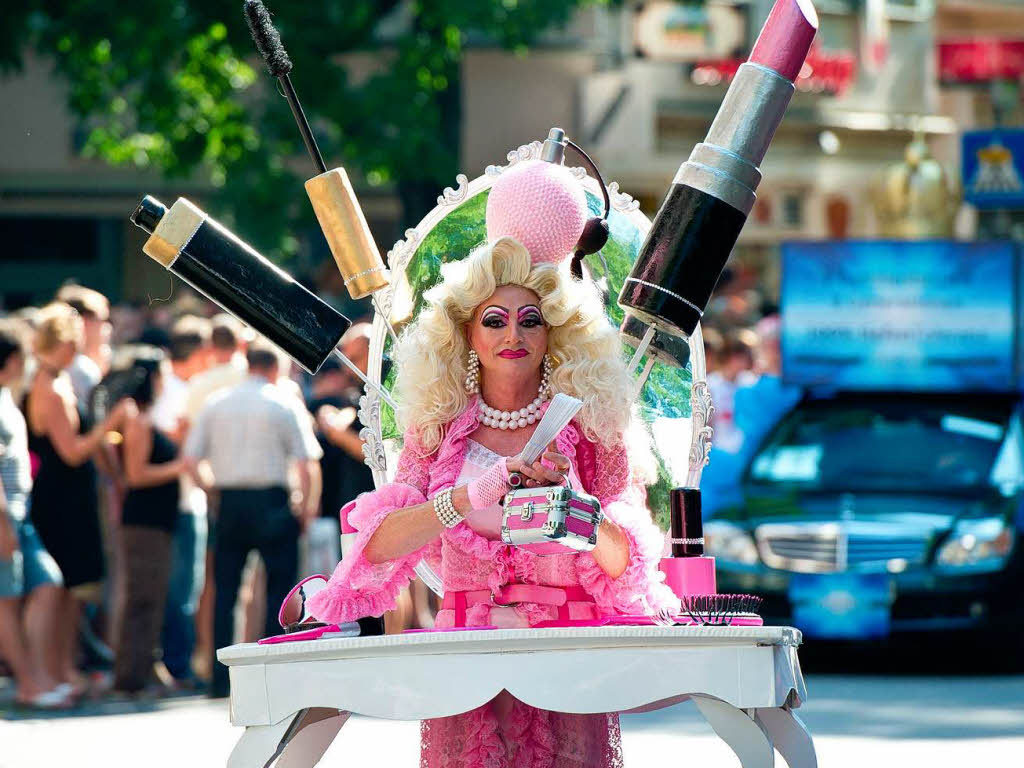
(717, 610)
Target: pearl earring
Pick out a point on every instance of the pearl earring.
(473, 372)
(545, 377)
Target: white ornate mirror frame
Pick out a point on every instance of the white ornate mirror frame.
(381, 455)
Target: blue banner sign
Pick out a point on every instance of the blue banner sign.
(888, 315)
(993, 168)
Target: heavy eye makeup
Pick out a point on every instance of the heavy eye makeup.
(530, 316)
(494, 317)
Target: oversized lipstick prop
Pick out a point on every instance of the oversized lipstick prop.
(712, 194)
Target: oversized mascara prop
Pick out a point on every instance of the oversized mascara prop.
(233, 275)
(330, 191)
(702, 215)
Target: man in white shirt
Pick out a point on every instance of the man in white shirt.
(249, 438)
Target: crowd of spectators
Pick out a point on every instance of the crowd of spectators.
(158, 469)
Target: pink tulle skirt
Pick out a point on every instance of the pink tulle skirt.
(505, 733)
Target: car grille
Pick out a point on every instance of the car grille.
(830, 547)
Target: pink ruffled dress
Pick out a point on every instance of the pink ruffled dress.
(504, 732)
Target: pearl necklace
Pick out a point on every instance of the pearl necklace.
(492, 417)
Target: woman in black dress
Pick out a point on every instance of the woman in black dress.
(65, 506)
(151, 469)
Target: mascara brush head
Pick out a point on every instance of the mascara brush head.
(267, 38)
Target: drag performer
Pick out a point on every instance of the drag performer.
(507, 329)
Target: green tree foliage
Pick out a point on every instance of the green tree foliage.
(176, 86)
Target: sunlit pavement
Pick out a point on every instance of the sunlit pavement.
(856, 721)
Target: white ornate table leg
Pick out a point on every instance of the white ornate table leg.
(746, 737)
(309, 739)
(258, 745)
(790, 736)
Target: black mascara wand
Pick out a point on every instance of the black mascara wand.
(268, 43)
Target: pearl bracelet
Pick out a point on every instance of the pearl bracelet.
(445, 510)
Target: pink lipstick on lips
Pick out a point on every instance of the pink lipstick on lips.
(513, 354)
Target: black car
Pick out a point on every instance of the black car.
(870, 514)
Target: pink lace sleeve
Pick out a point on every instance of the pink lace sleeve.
(607, 475)
(358, 587)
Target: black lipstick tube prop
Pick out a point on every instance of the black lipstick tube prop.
(688, 571)
(233, 275)
(707, 205)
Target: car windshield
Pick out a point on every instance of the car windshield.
(892, 445)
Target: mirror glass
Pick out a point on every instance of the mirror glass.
(449, 232)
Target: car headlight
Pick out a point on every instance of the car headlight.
(729, 542)
(977, 545)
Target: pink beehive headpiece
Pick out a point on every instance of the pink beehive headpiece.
(542, 206)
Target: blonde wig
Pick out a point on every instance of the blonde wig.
(432, 353)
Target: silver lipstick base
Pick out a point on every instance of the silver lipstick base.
(726, 164)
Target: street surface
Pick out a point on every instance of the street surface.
(857, 720)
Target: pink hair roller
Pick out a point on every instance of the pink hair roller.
(541, 205)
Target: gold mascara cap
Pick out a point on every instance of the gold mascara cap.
(347, 233)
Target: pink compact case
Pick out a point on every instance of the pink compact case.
(553, 520)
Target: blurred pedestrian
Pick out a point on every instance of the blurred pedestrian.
(227, 366)
(713, 344)
(148, 519)
(761, 404)
(253, 595)
(64, 505)
(27, 571)
(188, 346)
(190, 356)
(88, 368)
(249, 436)
(93, 359)
(735, 369)
(334, 403)
(720, 481)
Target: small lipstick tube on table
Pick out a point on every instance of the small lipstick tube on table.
(688, 571)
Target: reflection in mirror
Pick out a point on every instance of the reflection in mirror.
(293, 610)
